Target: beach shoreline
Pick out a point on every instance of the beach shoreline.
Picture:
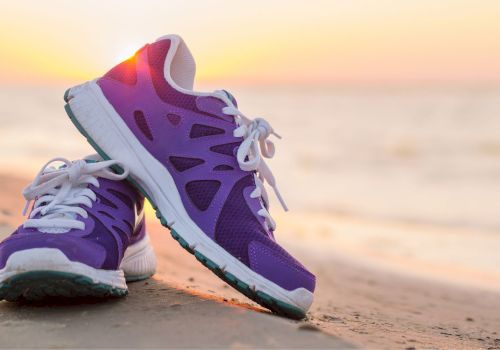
(358, 301)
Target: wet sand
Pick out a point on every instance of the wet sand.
(184, 305)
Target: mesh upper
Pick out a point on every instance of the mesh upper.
(111, 226)
(227, 149)
(142, 124)
(102, 236)
(199, 130)
(194, 140)
(125, 72)
(156, 58)
(184, 163)
(237, 227)
(202, 192)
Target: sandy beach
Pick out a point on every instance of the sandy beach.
(359, 302)
(385, 121)
(182, 306)
(386, 130)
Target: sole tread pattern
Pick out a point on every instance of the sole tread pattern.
(275, 305)
(39, 285)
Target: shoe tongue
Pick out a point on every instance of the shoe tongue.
(231, 97)
(179, 63)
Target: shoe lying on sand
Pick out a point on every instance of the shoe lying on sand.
(200, 162)
(85, 235)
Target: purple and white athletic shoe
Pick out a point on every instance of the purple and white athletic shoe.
(200, 162)
(85, 235)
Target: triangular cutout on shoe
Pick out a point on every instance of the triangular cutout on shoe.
(227, 148)
(174, 119)
(199, 130)
(202, 192)
(183, 163)
(223, 167)
(142, 124)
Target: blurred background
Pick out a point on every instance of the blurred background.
(390, 111)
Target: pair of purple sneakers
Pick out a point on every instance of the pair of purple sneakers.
(199, 161)
(85, 235)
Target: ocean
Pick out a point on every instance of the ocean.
(405, 154)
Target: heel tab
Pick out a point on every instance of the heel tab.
(180, 66)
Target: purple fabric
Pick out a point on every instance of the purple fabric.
(124, 72)
(73, 246)
(156, 62)
(251, 241)
(229, 232)
(212, 106)
(174, 140)
(116, 220)
(184, 163)
(174, 118)
(278, 266)
(202, 192)
(227, 214)
(223, 167)
(228, 149)
(199, 130)
(142, 124)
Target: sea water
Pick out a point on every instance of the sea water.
(412, 154)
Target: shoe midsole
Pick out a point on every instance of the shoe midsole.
(52, 259)
(108, 130)
(138, 262)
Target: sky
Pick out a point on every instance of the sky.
(311, 42)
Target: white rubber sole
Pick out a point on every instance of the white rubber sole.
(139, 262)
(107, 129)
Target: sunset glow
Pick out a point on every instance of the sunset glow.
(314, 42)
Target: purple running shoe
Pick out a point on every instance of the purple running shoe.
(85, 235)
(200, 162)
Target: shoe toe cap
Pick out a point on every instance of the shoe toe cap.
(274, 263)
(75, 249)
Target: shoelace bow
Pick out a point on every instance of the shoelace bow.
(58, 193)
(255, 146)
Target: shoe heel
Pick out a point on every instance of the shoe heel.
(139, 261)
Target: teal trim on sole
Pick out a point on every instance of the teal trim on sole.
(39, 285)
(275, 305)
(137, 278)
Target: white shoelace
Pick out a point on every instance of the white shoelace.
(58, 193)
(255, 145)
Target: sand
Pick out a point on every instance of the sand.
(154, 315)
(174, 310)
(358, 302)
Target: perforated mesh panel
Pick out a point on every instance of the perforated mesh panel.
(223, 167)
(184, 163)
(237, 227)
(199, 130)
(156, 59)
(174, 119)
(227, 148)
(142, 124)
(202, 192)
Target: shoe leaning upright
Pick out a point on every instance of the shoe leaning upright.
(200, 162)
